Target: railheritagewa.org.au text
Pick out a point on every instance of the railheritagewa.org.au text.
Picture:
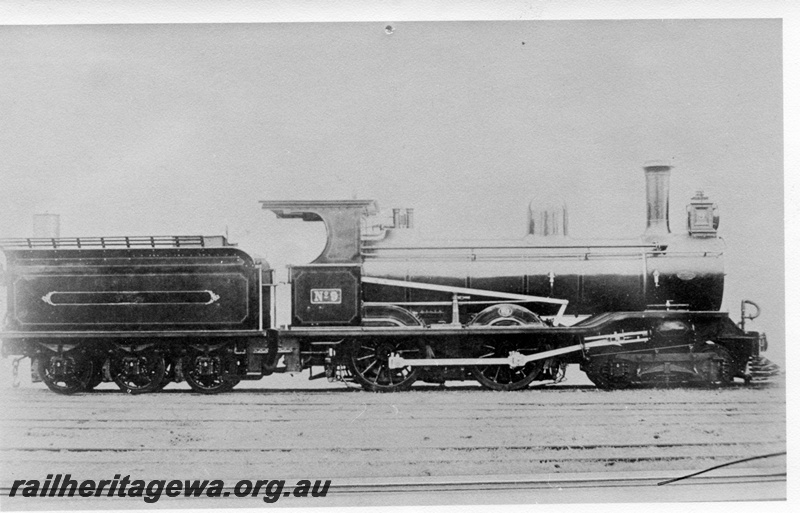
(64, 485)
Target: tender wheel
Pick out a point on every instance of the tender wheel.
(204, 373)
(139, 372)
(369, 364)
(503, 377)
(66, 373)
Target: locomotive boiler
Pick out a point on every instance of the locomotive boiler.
(383, 307)
(594, 276)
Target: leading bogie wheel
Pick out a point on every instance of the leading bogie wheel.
(369, 364)
(721, 373)
(609, 373)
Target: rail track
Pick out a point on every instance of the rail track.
(426, 446)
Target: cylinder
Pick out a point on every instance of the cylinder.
(657, 176)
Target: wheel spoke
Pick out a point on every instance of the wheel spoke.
(369, 365)
(503, 377)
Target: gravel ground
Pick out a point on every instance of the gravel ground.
(428, 431)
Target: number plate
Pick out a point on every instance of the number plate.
(326, 296)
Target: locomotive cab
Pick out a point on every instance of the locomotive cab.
(327, 292)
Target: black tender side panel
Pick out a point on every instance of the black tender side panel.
(131, 289)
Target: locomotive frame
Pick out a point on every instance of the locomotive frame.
(144, 311)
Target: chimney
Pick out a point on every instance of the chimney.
(657, 176)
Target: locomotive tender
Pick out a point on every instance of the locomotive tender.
(384, 308)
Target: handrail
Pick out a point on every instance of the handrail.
(527, 254)
(653, 247)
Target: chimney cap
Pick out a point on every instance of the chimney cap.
(657, 165)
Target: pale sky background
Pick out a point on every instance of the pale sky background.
(181, 129)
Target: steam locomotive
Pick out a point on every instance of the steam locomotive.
(384, 308)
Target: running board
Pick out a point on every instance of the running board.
(515, 359)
